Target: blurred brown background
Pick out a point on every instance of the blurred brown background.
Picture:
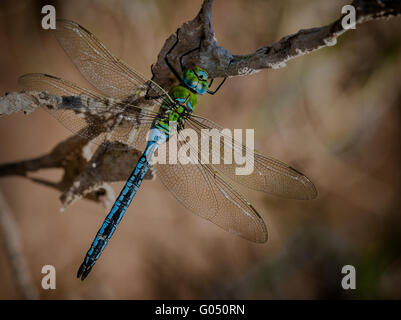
(334, 115)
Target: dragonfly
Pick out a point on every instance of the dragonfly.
(139, 113)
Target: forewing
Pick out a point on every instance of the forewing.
(269, 175)
(104, 71)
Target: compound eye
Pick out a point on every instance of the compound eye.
(190, 79)
(203, 76)
(201, 87)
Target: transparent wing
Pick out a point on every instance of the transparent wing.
(54, 85)
(207, 194)
(104, 71)
(129, 123)
(269, 175)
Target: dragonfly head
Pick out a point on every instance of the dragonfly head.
(196, 79)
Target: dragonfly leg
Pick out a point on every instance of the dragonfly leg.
(150, 87)
(168, 61)
(181, 57)
(182, 64)
(218, 87)
(187, 53)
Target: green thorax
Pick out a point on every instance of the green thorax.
(185, 102)
(183, 96)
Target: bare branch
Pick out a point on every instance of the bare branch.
(84, 175)
(13, 246)
(219, 62)
(191, 34)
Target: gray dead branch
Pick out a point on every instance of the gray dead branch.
(13, 247)
(219, 62)
(85, 175)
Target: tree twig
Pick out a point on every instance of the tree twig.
(219, 62)
(85, 175)
(13, 246)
